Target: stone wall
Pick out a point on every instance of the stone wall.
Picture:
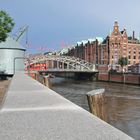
(128, 78)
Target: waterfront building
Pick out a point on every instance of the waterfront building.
(108, 51)
(118, 44)
(86, 50)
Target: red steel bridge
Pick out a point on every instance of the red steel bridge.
(58, 63)
(61, 66)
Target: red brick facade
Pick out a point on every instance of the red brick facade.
(86, 50)
(117, 45)
(127, 78)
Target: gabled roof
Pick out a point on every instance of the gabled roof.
(105, 40)
(122, 32)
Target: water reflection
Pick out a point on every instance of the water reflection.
(121, 107)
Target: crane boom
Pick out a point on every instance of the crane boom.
(21, 32)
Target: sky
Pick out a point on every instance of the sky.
(55, 24)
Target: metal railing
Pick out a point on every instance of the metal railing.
(71, 63)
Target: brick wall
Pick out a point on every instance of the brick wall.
(103, 77)
(121, 78)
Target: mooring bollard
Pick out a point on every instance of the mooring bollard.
(47, 81)
(37, 76)
(96, 101)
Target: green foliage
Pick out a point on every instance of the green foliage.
(123, 61)
(6, 25)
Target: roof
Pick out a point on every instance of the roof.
(65, 50)
(10, 43)
(131, 38)
(79, 43)
(84, 42)
(105, 40)
(122, 32)
(100, 40)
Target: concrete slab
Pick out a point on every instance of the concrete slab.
(31, 111)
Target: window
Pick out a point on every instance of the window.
(129, 57)
(134, 57)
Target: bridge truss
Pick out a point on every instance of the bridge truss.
(65, 63)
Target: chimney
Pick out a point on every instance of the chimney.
(133, 35)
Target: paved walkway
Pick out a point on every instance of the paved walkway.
(32, 111)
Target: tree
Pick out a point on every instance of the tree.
(123, 61)
(6, 25)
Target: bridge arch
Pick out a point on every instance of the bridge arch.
(63, 63)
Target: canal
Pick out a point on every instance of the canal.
(122, 106)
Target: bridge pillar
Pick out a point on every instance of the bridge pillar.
(57, 64)
(47, 64)
(80, 67)
(62, 65)
(47, 81)
(52, 64)
(68, 66)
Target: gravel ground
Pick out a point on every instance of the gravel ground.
(3, 87)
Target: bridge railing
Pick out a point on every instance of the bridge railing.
(64, 62)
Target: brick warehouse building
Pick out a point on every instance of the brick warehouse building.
(117, 45)
(86, 50)
(108, 51)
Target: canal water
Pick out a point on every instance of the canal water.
(122, 106)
